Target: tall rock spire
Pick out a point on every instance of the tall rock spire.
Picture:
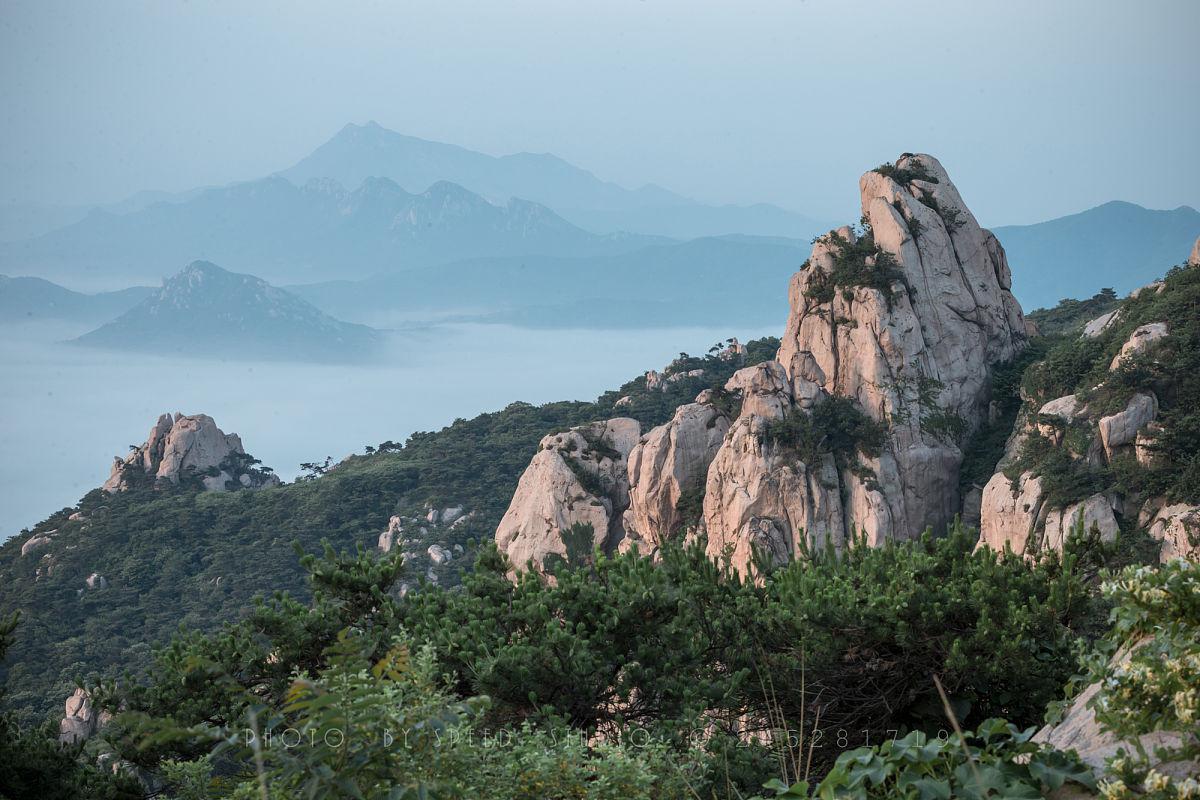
(903, 318)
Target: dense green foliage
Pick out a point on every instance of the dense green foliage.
(841, 648)
(1081, 366)
(996, 760)
(915, 171)
(1069, 316)
(983, 449)
(836, 426)
(33, 764)
(1145, 670)
(1156, 686)
(855, 264)
(175, 556)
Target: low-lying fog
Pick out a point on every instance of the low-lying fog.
(65, 411)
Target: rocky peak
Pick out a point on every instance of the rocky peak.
(183, 445)
(895, 324)
(903, 318)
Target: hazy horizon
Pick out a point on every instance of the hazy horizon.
(1038, 113)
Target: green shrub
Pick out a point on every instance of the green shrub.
(996, 760)
(835, 425)
(1155, 687)
(850, 269)
(906, 175)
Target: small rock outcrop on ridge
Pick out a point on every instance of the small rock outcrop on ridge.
(182, 446)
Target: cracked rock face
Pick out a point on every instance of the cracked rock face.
(666, 463)
(180, 445)
(948, 315)
(577, 476)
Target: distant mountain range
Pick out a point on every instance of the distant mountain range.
(348, 213)
(359, 152)
(737, 279)
(318, 231)
(1118, 244)
(34, 299)
(207, 311)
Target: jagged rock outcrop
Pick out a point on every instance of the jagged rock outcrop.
(580, 477)
(80, 720)
(391, 535)
(666, 463)
(905, 324)
(1176, 525)
(180, 446)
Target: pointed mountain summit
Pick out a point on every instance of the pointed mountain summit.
(358, 152)
(206, 311)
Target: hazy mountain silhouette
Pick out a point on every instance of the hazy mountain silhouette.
(735, 279)
(1118, 244)
(290, 233)
(34, 299)
(207, 311)
(358, 152)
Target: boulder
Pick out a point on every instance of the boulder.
(1100, 324)
(1122, 428)
(96, 581)
(1139, 342)
(35, 543)
(579, 477)
(1096, 514)
(438, 554)
(667, 462)
(1155, 286)
(443, 516)
(1064, 409)
(1078, 730)
(1194, 258)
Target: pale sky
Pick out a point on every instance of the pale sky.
(1037, 108)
